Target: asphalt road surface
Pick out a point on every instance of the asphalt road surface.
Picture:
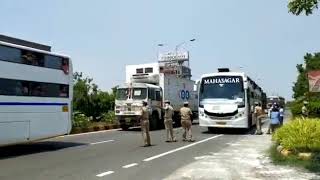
(112, 154)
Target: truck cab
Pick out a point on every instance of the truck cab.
(129, 100)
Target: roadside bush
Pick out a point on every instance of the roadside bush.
(313, 106)
(109, 117)
(300, 135)
(80, 120)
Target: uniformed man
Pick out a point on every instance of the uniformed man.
(186, 116)
(304, 109)
(258, 115)
(144, 122)
(168, 113)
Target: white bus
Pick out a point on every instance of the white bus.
(226, 100)
(36, 90)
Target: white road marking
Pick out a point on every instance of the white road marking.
(105, 173)
(129, 165)
(180, 148)
(100, 142)
(95, 132)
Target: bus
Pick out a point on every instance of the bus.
(226, 99)
(35, 94)
(276, 99)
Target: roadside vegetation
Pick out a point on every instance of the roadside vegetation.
(92, 107)
(297, 143)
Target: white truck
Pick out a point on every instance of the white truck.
(151, 83)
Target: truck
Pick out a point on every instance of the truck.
(154, 83)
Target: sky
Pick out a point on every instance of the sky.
(258, 37)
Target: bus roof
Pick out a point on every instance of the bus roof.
(32, 49)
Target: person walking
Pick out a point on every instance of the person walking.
(274, 119)
(168, 113)
(258, 115)
(186, 117)
(144, 122)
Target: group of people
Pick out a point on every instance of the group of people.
(186, 122)
(275, 115)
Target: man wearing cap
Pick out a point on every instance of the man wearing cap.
(304, 109)
(168, 113)
(257, 114)
(186, 116)
(144, 122)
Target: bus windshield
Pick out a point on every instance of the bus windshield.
(137, 93)
(222, 87)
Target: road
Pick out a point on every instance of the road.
(113, 154)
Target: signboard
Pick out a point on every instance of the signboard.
(314, 81)
(174, 56)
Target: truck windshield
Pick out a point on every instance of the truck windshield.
(222, 87)
(136, 93)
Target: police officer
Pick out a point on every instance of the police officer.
(186, 116)
(304, 109)
(144, 122)
(168, 113)
(258, 115)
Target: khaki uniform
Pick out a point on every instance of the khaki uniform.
(304, 111)
(258, 116)
(186, 123)
(168, 113)
(145, 126)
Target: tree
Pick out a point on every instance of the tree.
(88, 99)
(312, 62)
(297, 7)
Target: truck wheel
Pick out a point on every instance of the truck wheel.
(124, 127)
(154, 121)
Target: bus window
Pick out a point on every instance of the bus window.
(65, 66)
(64, 91)
(53, 62)
(10, 54)
(32, 58)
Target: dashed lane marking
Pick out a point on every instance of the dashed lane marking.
(129, 165)
(181, 148)
(100, 142)
(105, 173)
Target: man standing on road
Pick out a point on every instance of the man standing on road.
(144, 122)
(168, 113)
(186, 116)
(258, 115)
(304, 109)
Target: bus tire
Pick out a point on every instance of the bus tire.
(154, 121)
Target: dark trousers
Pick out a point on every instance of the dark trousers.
(281, 120)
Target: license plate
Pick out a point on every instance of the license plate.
(221, 123)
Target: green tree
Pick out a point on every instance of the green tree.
(297, 7)
(312, 62)
(88, 99)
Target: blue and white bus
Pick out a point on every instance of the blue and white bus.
(36, 89)
(226, 100)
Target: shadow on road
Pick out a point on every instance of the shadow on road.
(231, 131)
(33, 148)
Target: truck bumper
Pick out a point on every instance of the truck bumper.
(129, 120)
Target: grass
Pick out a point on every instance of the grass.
(312, 165)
